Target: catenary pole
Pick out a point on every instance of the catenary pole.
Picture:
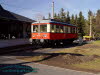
(53, 10)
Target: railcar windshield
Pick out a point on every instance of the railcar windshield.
(39, 28)
(35, 28)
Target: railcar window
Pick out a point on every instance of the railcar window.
(66, 29)
(73, 30)
(53, 28)
(43, 28)
(69, 29)
(61, 29)
(57, 29)
(35, 28)
(76, 30)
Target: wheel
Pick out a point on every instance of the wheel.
(71, 41)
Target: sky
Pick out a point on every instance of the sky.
(34, 9)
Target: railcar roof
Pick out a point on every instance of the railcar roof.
(52, 21)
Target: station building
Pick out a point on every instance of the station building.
(13, 26)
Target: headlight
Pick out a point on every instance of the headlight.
(44, 35)
(33, 35)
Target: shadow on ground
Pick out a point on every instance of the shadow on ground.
(52, 55)
(32, 53)
(16, 69)
(37, 51)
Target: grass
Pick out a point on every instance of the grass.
(88, 49)
(96, 42)
(81, 51)
(92, 65)
(32, 58)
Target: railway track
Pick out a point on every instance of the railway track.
(34, 48)
(17, 49)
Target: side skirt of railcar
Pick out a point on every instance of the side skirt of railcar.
(48, 42)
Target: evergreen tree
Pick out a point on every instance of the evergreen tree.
(62, 15)
(49, 16)
(76, 20)
(55, 16)
(87, 24)
(93, 23)
(81, 24)
(67, 18)
(72, 19)
(58, 18)
(97, 26)
(94, 26)
(90, 15)
(43, 17)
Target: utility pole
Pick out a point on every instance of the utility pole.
(53, 10)
(90, 34)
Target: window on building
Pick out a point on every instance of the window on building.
(35, 28)
(43, 28)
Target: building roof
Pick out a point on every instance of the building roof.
(10, 15)
(1, 8)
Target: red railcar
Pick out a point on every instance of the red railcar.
(51, 32)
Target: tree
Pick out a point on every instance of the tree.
(49, 16)
(55, 16)
(94, 26)
(81, 24)
(76, 20)
(90, 17)
(87, 23)
(97, 26)
(95, 23)
(68, 17)
(89, 14)
(62, 15)
(58, 18)
(43, 17)
(72, 19)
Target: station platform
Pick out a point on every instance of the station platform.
(13, 42)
